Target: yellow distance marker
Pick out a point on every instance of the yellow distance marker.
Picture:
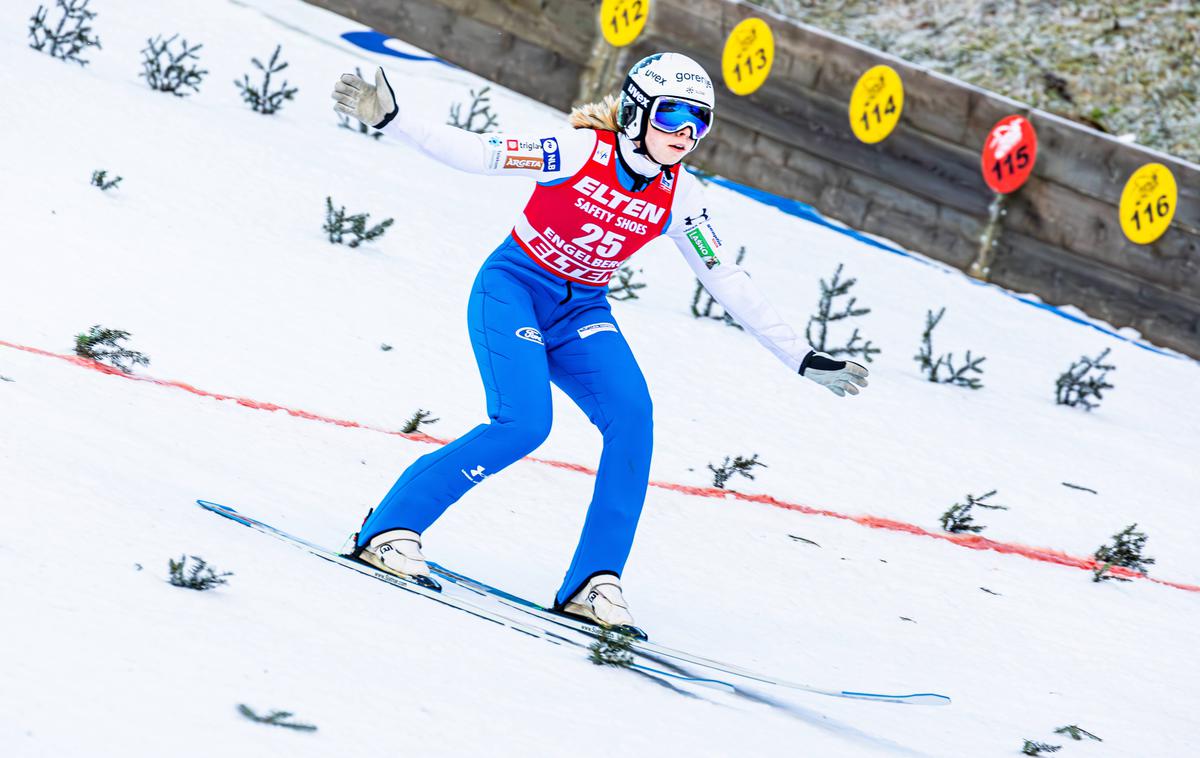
(749, 53)
(1148, 203)
(876, 104)
(622, 21)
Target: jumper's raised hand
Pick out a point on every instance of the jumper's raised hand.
(839, 376)
(374, 106)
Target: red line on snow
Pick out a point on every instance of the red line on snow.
(972, 541)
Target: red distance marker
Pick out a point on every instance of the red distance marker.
(1009, 153)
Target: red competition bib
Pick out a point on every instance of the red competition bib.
(582, 229)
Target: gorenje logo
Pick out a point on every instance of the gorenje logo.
(683, 76)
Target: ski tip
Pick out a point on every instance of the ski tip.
(920, 698)
(428, 582)
(632, 631)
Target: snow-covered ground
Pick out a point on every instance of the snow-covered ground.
(210, 253)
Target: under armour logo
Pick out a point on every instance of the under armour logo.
(475, 472)
(693, 221)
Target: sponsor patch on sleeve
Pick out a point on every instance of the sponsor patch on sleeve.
(702, 248)
(550, 156)
(603, 153)
(523, 161)
(590, 329)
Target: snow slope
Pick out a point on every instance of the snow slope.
(211, 254)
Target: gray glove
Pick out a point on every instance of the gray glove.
(373, 106)
(839, 376)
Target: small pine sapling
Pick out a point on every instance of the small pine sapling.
(739, 465)
(101, 344)
(625, 288)
(338, 224)
(612, 648)
(706, 311)
(1125, 551)
(65, 41)
(480, 108)
(200, 576)
(420, 417)
(100, 179)
(1037, 748)
(263, 99)
(345, 122)
(166, 70)
(274, 718)
(1078, 386)
(932, 368)
(959, 519)
(1076, 733)
(825, 314)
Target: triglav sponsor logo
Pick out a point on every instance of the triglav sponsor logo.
(531, 334)
(667, 181)
(590, 329)
(526, 146)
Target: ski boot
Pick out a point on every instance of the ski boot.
(396, 552)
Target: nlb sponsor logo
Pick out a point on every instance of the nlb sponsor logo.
(550, 154)
(531, 334)
(590, 329)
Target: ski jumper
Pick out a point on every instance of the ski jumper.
(539, 314)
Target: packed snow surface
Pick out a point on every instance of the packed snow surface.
(210, 253)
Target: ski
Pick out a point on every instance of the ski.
(664, 654)
(552, 626)
(552, 634)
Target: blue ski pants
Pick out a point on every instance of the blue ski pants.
(530, 328)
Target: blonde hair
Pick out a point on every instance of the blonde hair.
(601, 115)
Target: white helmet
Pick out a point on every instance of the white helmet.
(671, 91)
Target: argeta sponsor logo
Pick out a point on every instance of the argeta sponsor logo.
(517, 161)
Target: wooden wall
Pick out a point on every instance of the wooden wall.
(921, 187)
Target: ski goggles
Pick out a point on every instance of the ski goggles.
(671, 115)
